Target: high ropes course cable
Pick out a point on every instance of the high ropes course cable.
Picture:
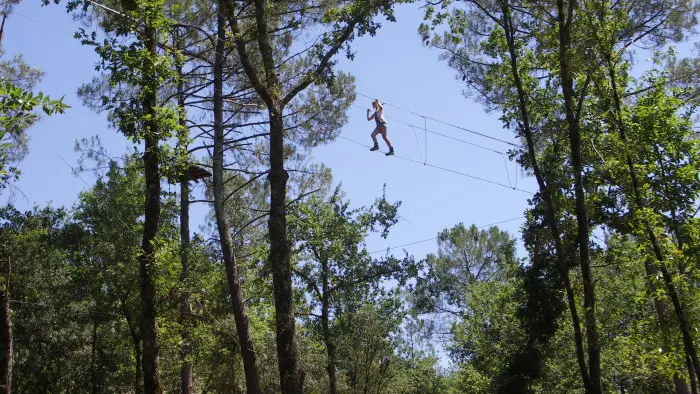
(446, 123)
(445, 169)
(424, 158)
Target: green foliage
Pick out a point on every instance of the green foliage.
(473, 281)
(50, 329)
(133, 72)
(17, 106)
(465, 257)
(343, 280)
(330, 247)
(509, 54)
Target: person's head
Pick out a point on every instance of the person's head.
(375, 104)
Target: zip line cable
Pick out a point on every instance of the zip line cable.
(415, 134)
(426, 130)
(104, 7)
(434, 238)
(43, 23)
(425, 133)
(446, 169)
(72, 35)
(425, 118)
(445, 123)
(505, 164)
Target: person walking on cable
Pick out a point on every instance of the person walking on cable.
(378, 117)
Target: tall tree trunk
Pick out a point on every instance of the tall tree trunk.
(565, 18)
(5, 334)
(270, 90)
(279, 261)
(327, 337)
(651, 268)
(186, 349)
(550, 213)
(149, 329)
(232, 274)
(136, 343)
(682, 319)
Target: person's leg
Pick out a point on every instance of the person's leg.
(374, 139)
(383, 131)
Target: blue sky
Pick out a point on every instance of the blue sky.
(392, 66)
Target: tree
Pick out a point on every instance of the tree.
(655, 211)
(465, 257)
(18, 104)
(30, 244)
(506, 77)
(222, 224)
(333, 264)
(368, 346)
(17, 113)
(473, 281)
(109, 219)
(552, 89)
(138, 65)
(340, 23)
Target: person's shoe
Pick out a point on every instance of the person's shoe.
(390, 153)
(376, 147)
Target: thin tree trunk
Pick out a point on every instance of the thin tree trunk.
(149, 329)
(232, 274)
(2, 26)
(138, 376)
(567, 84)
(5, 334)
(270, 91)
(136, 343)
(681, 386)
(93, 362)
(682, 320)
(650, 268)
(186, 349)
(691, 374)
(328, 339)
(546, 196)
(661, 308)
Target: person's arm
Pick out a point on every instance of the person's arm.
(369, 117)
